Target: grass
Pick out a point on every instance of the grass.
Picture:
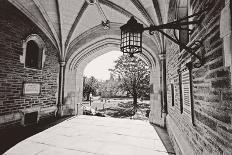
(122, 109)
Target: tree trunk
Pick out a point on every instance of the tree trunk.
(135, 104)
(87, 96)
(135, 95)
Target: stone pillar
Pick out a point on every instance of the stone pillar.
(225, 33)
(79, 90)
(157, 96)
(61, 88)
(162, 57)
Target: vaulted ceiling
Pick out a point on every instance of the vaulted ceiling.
(64, 20)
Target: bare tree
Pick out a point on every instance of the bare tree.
(134, 74)
(90, 85)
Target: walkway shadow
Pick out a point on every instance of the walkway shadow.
(163, 134)
(15, 134)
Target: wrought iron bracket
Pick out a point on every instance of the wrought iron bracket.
(181, 25)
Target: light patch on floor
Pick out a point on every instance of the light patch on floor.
(86, 135)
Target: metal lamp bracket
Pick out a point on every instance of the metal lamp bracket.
(178, 25)
(133, 27)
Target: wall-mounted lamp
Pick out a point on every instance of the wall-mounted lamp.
(131, 35)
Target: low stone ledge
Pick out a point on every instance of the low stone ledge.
(29, 110)
(48, 110)
(179, 141)
(44, 112)
(4, 119)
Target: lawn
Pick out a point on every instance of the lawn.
(120, 108)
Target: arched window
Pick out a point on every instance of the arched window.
(33, 55)
(33, 52)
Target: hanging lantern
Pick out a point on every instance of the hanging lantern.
(131, 34)
(131, 37)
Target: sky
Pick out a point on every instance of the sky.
(100, 65)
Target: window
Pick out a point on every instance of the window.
(33, 55)
(187, 92)
(173, 94)
(186, 95)
(180, 91)
(33, 52)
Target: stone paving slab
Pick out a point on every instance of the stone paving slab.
(87, 135)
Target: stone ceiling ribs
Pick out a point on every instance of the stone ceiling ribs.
(48, 20)
(119, 9)
(25, 11)
(157, 10)
(53, 19)
(75, 23)
(104, 18)
(62, 56)
(140, 7)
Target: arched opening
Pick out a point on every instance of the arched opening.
(96, 74)
(77, 63)
(122, 92)
(33, 55)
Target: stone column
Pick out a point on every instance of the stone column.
(158, 94)
(61, 88)
(225, 33)
(162, 57)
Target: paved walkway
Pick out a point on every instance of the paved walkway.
(88, 135)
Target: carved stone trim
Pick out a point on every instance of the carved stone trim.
(162, 56)
(41, 45)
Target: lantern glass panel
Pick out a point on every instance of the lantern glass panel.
(131, 37)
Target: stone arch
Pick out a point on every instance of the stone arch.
(97, 33)
(80, 58)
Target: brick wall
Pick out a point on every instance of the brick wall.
(212, 94)
(15, 27)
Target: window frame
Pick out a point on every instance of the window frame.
(187, 82)
(41, 53)
(180, 90)
(173, 94)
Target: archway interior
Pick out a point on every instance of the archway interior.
(72, 25)
(76, 66)
(101, 91)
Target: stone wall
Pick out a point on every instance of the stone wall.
(14, 28)
(207, 129)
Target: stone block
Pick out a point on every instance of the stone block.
(17, 116)
(9, 117)
(178, 139)
(206, 120)
(225, 83)
(227, 96)
(225, 132)
(2, 119)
